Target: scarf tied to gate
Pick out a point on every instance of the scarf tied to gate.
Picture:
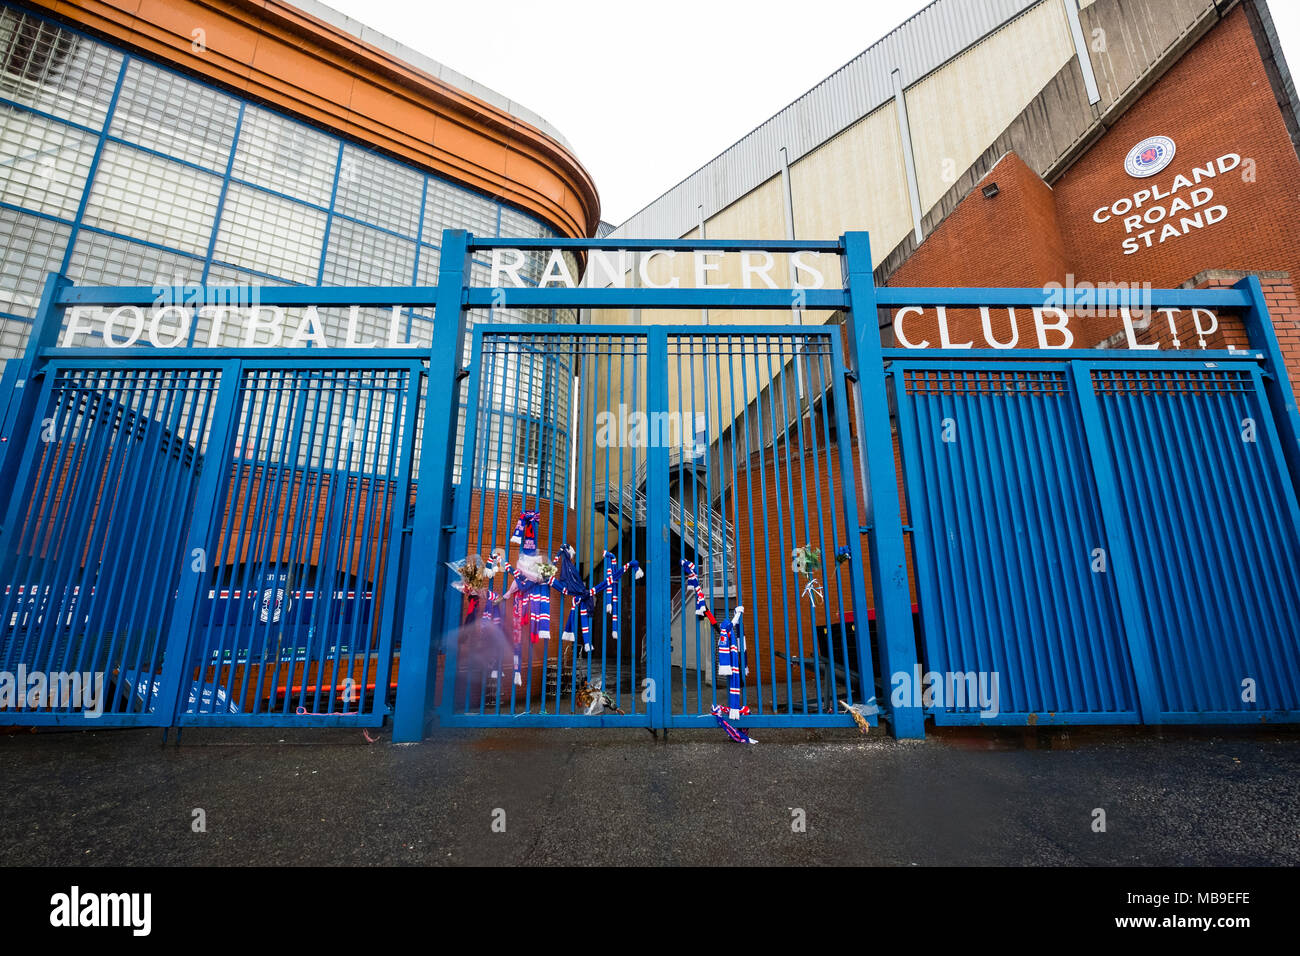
(731, 663)
(568, 581)
(692, 582)
(735, 733)
(532, 607)
(613, 581)
(731, 659)
(525, 533)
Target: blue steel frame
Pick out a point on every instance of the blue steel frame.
(425, 592)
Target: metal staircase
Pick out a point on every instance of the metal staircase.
(709, 534)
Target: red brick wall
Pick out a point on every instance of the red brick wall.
(1284, 309)
(1013, 239)
(1214, 101)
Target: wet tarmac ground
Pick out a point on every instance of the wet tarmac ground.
(610, 797)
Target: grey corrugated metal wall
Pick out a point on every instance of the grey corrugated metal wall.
(920, 45)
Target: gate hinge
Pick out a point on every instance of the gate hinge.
(462, 373)
(448, 528)
(851, 374)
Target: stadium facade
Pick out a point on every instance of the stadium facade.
(1067, 155)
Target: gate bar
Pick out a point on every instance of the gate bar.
(426, 576)
(658, 548)
(460, 537)
(671, 245)
(972, 297)
(896, 634)
(858, 569)
(963, 358)
(206, 515)
(22, 397)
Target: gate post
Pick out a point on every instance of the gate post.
(426, 577)
(201, 535)
(20, 397)
(1277, 383)
(658, 550)
(896, 634)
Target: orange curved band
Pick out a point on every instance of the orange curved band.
(272, 52)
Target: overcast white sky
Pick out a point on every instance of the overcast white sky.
(646, 93)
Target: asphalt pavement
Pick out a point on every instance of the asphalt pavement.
(611, 797)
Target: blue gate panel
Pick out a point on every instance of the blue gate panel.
(542, 439)
(97, 524)
(763, 469)
(1007, 543)
(1213, 520)
(295, 620)
(656, 452)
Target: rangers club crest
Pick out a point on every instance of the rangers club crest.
(1149, 156)
(270, 613)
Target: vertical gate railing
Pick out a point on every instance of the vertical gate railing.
(99, 510)
(544, 409)
(298, 616)
(771, 473)
(1007, 528)
(1199, 460)
(726, 414)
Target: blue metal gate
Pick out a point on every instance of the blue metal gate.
(262, 536)
(97, 527)
(214, 542)
(295, 616)
(772, 472)
(536, 398)
(650, 452)
(1211, 516)
(1006, 526)
(1102, 542)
